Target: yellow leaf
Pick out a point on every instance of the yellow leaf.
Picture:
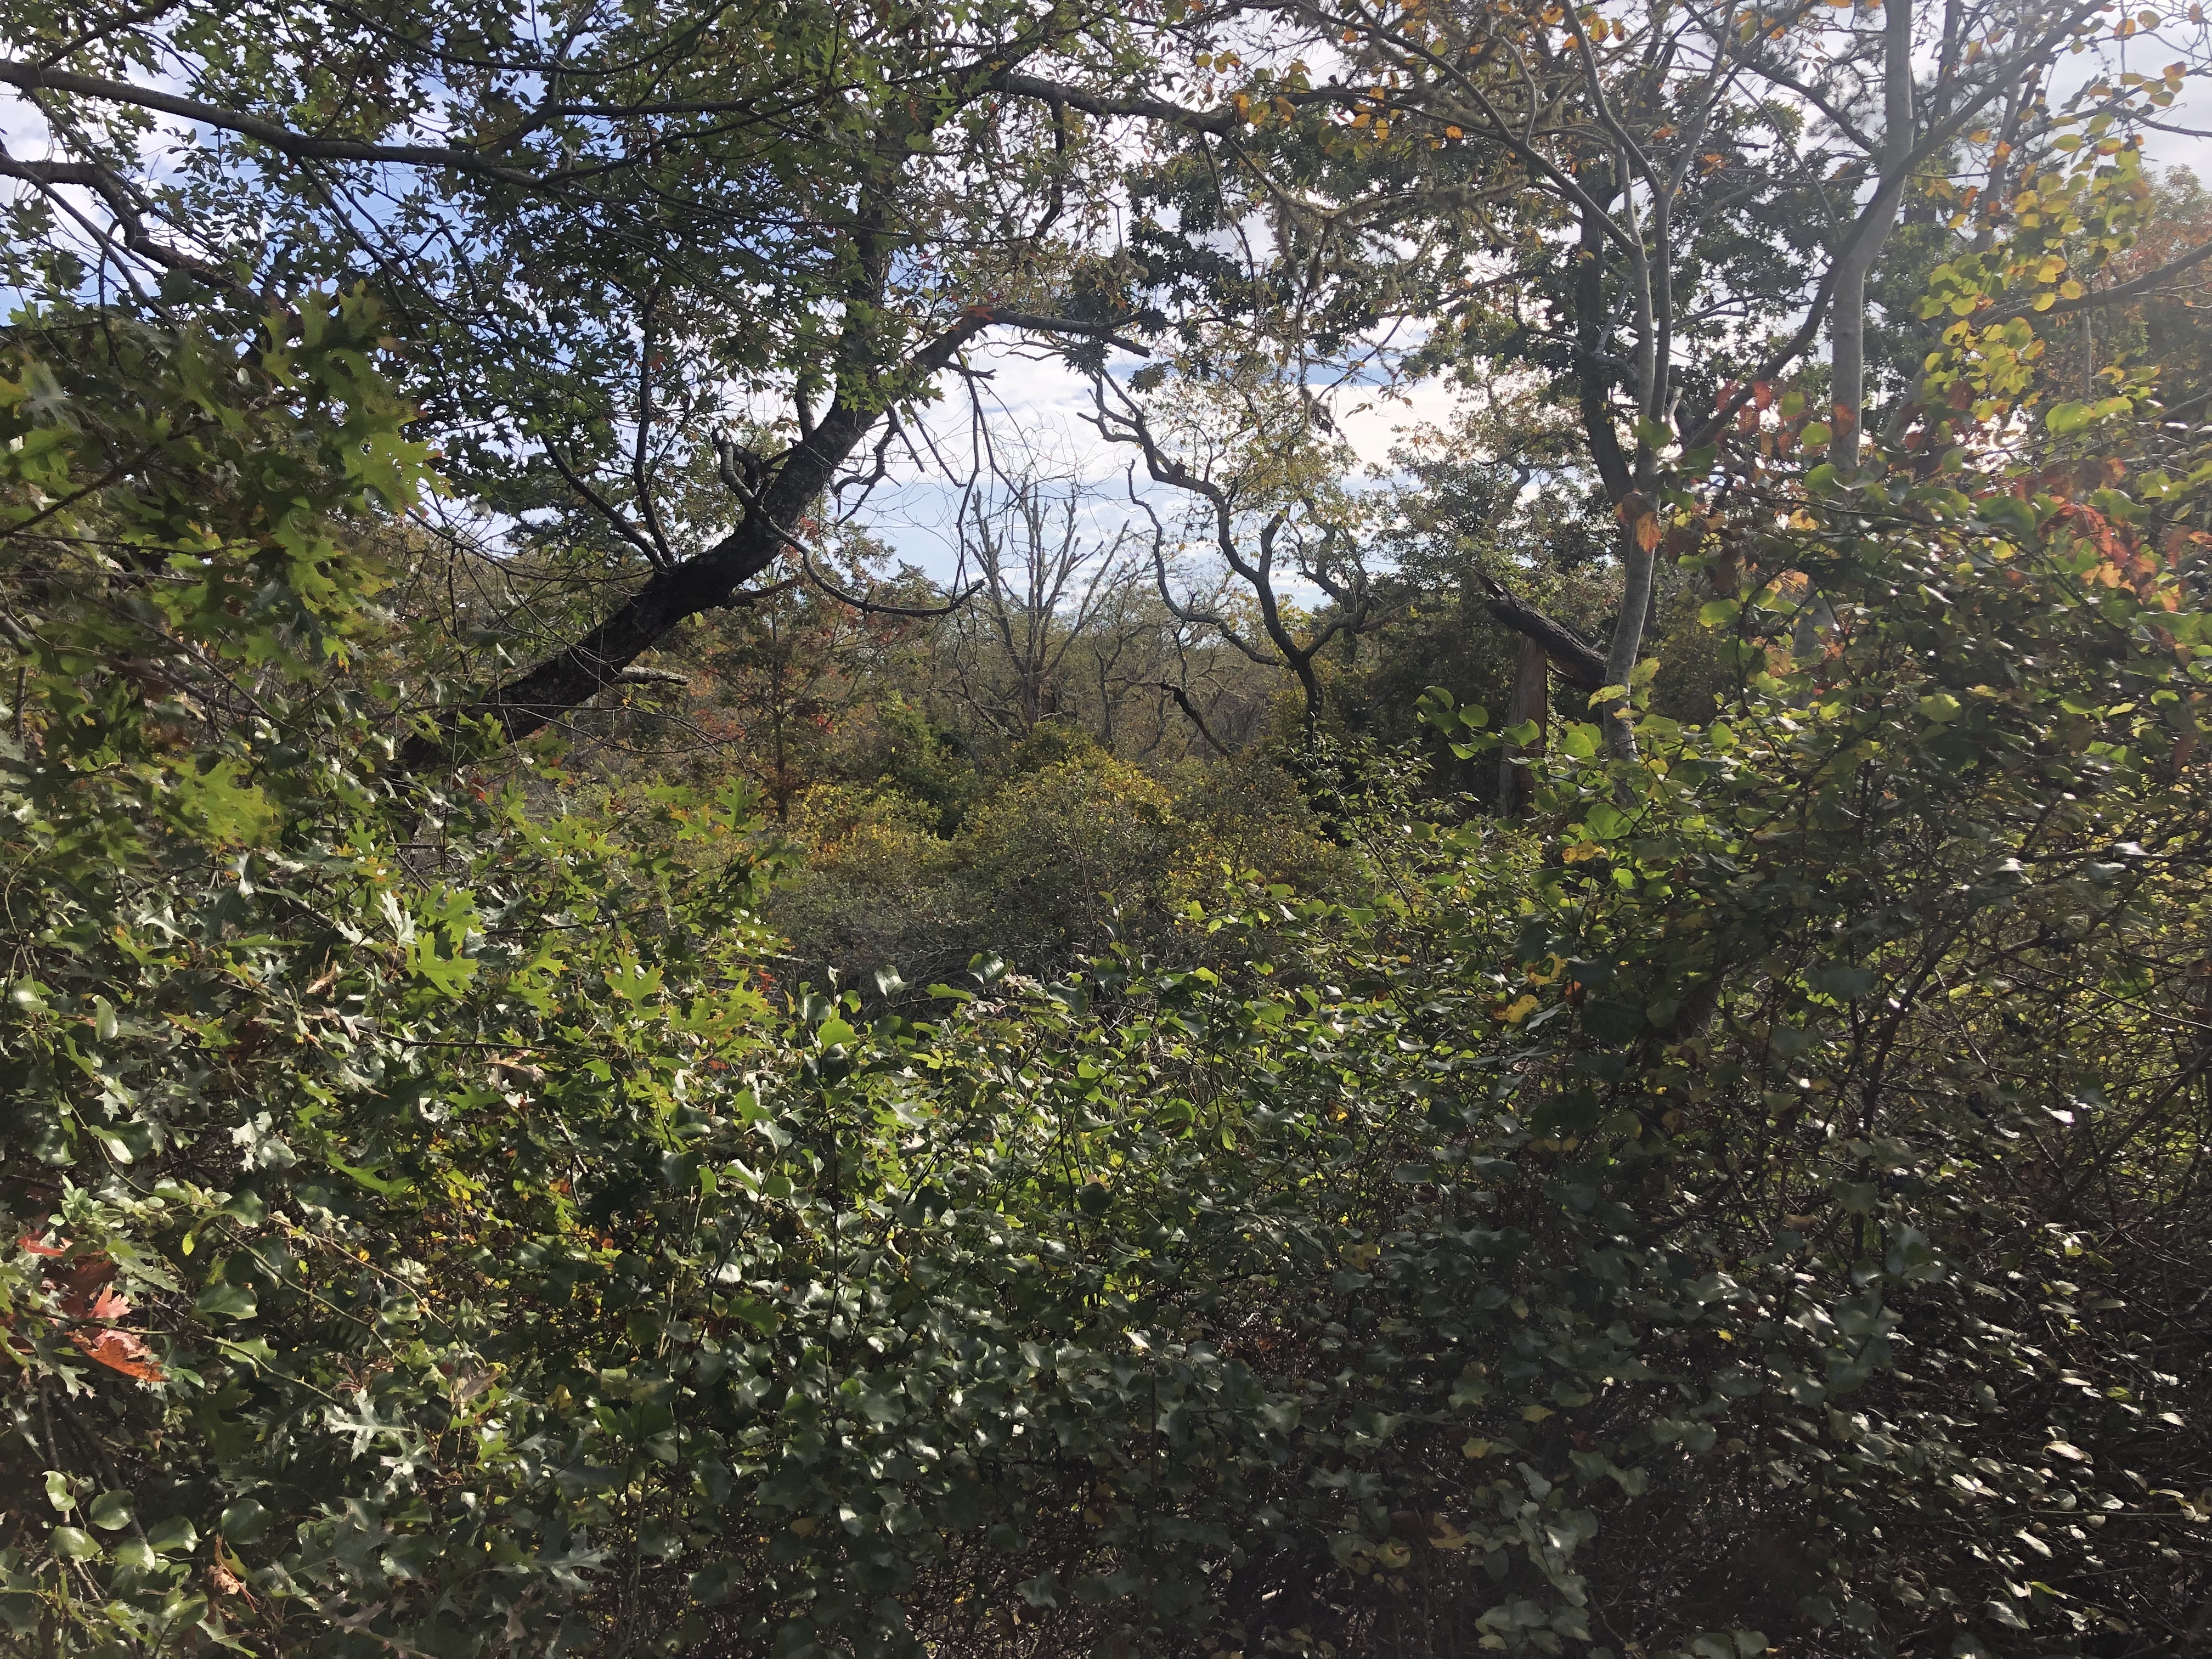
(1534, 1413)
(1521, 1008)
(1476, 1448)
(1647, 531)
(2044, 302)
(2071, 289)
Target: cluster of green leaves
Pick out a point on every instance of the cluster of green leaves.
(1758, 1203)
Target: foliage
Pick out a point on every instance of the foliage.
(1056, 858)
(452, 1204)
(1764, 1199)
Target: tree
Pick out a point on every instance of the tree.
(1653, 171)
(1662, 210)
(1264, 500)
(784, 679)
(1492, 534)
(1046, 581)
(644, 212)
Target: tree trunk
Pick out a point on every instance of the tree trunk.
(1531, 685)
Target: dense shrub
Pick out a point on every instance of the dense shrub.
(1761, 1203)
(1056, 860)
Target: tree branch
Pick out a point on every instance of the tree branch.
(34, 78)
(1574, 656)
(2120, 293)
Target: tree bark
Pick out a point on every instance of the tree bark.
(1576, 657)
(1847, 330)
(1532, 684)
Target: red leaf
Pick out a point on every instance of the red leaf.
(37, 1249)
(112, 1304)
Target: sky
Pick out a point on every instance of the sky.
(1041, 406)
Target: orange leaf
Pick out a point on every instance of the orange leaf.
(119, 1351)
(112, 1304)
(1647, 531)
(36, 1248)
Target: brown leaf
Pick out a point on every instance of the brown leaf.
(78, 1284)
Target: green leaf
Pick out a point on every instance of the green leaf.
(370, 1178)
(216, 804)
(175, 1536)
(225, 1301)
(245, 1521)
(73, 1544)
(1842, 980)
(1611, 1022)
(632, 981)
(762, 1316)
(1939, 708)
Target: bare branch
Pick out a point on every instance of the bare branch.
(814, 575)
(606, 510)
(1075, 325)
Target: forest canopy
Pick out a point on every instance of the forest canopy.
(767, 893)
